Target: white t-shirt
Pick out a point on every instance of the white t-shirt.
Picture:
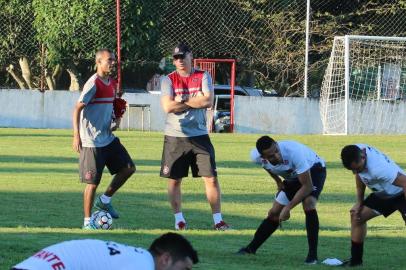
(89, 254)
(380, 172)
(297, 158)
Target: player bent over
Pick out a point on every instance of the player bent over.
(94, 140)
(385, 178)
(169, 251)
(304, 174)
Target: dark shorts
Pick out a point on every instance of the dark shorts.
(92, 161)
(180, 153)
(318, 174)
(386, 206)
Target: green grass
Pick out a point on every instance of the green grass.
(41, 200)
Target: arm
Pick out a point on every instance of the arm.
(171, 106)
(277, 179)
(307, 187)
(203, 100)
(400, 181)
(77, 144)
(360, 189)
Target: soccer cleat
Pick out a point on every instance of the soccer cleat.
(244, 251)
(89, 226)
(106, 207)
(222, 226)
(351, 263)
(310, 260)
(181, 226)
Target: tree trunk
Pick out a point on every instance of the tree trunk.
(74, 78)
(16, 77)
(26, 71)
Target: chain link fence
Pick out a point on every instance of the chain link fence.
(48, 44)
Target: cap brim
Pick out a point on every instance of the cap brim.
(179, 53)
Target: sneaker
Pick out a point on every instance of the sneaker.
(89, 226)
(351, 263)
(222, 226)
(181, 226)
(106, 207)
(310, 260)
(244, 251)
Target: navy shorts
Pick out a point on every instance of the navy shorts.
(386, 206)
(92, 161)
(181, 153)
(318, 174)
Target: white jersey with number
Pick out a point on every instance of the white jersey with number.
(89, 254)
(380, 172)
(297, 159)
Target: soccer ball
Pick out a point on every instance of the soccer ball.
(102, 220)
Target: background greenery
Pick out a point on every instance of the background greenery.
(41, 200)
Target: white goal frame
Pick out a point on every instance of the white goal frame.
(344, 108)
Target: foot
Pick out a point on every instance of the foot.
(244, 251)
(351, 263)
(89, 226)
(222, 226)
(181, 226)
(106, 207)
(311, 260)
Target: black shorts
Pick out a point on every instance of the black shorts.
(385, 206)
(93, 159)
(180, 153)
(318, 174)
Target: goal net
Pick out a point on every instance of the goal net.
(364, 89)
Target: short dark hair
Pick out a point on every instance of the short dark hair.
(265, 142)
(101, 51)
(350, 154)
(176, 245)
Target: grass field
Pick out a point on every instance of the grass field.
(41, 200)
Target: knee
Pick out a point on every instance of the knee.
(128, 171)
(356, 220)
(309, 204)
(272, 216)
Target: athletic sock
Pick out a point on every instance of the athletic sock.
(86, 221)
(179, 217)
(217, 218)
(105, 199)
(357, 250)
(312, 229)
(266, 229)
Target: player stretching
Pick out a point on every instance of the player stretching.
(388, 184)
(304, 174)
(168, 252)
(94, 140)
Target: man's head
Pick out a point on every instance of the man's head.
(269, 150)
(172, 251)
(182, 58)
(353, 158)
(105, 61)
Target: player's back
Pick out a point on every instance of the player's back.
(89, 254)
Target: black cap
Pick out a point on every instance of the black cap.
(181, 49)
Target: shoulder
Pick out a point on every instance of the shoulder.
(90, 83)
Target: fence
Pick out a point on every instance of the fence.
(47, 44)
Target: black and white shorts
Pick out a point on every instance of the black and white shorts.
(180, 153)
(291, 186)
(92, 161)
(386, 206)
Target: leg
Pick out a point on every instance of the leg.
(265, 230)
(213, 193)
(358, 233)
(312, 227)
(118, 180)
(175, 195)
(88, 197)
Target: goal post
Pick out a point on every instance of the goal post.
(209, 65)
(364, 86)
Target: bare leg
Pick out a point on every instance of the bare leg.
(118, 180)
(88, 197)
(359, 224)
(213, 193)
(175, 195)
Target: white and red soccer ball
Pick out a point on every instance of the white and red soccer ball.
(102, 220)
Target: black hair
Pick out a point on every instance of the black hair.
(265, 142)
(350, 154)
(176, 245)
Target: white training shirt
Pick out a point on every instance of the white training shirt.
(379, 173)
(89, 254)
(297, 159)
